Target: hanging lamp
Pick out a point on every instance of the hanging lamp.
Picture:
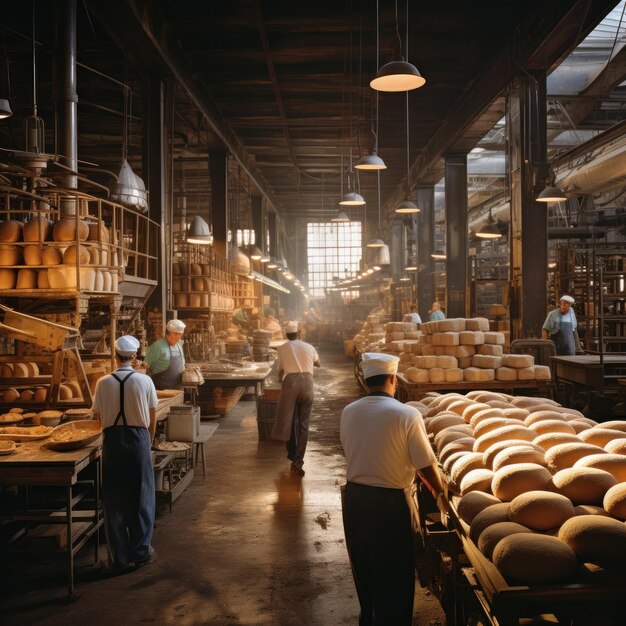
(438, 255)
(370, 161)
(199, 232)
(489, 229)
(398, 74)
(550, 194)
(5, 109)
(407, 206)
(352, 199)
(341, 218)
(255, 253)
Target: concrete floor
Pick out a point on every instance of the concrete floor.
(247, 545)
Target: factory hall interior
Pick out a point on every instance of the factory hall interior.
(312, 314)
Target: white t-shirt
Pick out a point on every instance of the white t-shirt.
(384, 442)
(412, 317)
(296, 356)
(139, 397)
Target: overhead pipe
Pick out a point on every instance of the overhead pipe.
(66, 97)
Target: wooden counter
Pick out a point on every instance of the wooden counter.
(163, 408)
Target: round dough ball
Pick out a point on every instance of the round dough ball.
(488, 517)
(472, 503)
(598, 436)
(567, 454)
(492, 536)
(518, 454)
(477, 480)
(595, 539)
(534, 559)
(615, 501)
(583, 485)
(612, 463)
(541, 510)
(513, 480)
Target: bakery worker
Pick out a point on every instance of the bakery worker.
(296, 360)
(560, 326)
(385, 443)
(436, 314)
(165, 357)
(125, 403)
(413, 316)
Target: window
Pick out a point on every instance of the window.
(334, 252)
(245, 237)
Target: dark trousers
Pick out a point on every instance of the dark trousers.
(128, 494)
(380, 543)
(297, 399)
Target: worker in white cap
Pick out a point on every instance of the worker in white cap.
(385, 444)
(165, 357)
(560, 326)
(296, 361)
(125, 403)
(412, 316)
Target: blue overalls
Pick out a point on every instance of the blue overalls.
(127, 489)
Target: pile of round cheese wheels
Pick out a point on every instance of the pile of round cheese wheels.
(541, 486)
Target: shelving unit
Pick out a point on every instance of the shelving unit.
(578, 274)
(490, 276)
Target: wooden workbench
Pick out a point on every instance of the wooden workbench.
(414, 391)
(33, 465)
(163, 407)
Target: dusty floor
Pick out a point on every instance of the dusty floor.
(242, 546)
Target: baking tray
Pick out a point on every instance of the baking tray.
(23, 437)
(92, 428)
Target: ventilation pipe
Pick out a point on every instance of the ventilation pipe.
(66, 96)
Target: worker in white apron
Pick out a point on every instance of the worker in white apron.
(385, 443)
(296, 360)
(165, 358)
(560, 326)
(125, 403)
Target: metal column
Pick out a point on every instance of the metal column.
(257, 222)
(218, 169)
(397, 252)
(456, 235)
(273, 242)
(527, 140)
(425, 247)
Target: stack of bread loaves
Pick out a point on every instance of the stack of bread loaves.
(371, 337)
(457, 350)
(541, 487)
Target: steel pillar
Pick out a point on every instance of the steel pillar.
(257, 222)
(527, 141)
(218, 170)
(425, 247)
(456, 236)
(397, 251)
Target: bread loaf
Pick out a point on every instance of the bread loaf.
(540, 416)
(42, 280)
(495, 338)
(485, 426)
(492, 535)
(430, 361)
(477, 480)
(498, 404)
(70, 254)
(595, 539)
(515, 413)
(512, 480)
(474, 408)
(567, 454)
(453, 375)
(488, 517)
(502, 434)
(477, 323)
(613, 463)
(443, 421)
(40, 394)
(518, 454)
(485, 414)
(549, 440)
(590, 509)
(26, 279)
(455, 324)
(614, 501)
(51, 256)
(417, 375)
(517, 360)
(484, 361)
(492, 451)
(10, 255)
(599, 436)
(542, 372)
(541, 510)
(525, 402)
(65, 393)
(27, 395)
(586, 485)
(472, 503)
(65, 230)
(474, 374)
(552, 426)
(462, 444)
(436, 375)
(446, 339)
(534, 559)
(525, 373)
(615, 446)
(32, 255)
(612, 425)
(452, 459)
(10, 395)
(8, 278)
(471, 338)
(464, 465)
(446, 362)
(37, 229)
(491, 349)
(458, 406)
(10, 231)
(462, 352)
(578, 426)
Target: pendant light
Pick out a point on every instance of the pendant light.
(352, 199)
(255, 253)
(550, 194)
(438, 255)
(398, 74)
(341, 218)
(199, 232)
(489, 229)
(407, 206)
(5, 109)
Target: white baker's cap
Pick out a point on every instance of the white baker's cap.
(378, 363)
(291, 327)
(126, 345)
(176, 326)
(567, 298)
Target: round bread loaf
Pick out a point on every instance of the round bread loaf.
(579, 417)
(37, 229)
(549, 440)
(552, 426)
(541, 416)
(21, 370)
(491, 423)
(485, 414)
(32, 255)
(513, 413)
(27, 395)
(472, 503)
(518, 454)
(583, 485)
(477, 480)
(534, 559)
(489, 396)
(471, 410)
(467, 463)
(513, 480)
(612, 463)
(503, 434)
(458, 406)
(615, 500)
(450, 434)
(579, 426)
(42, 280)
(65, 393)
(541, 510)
(595, 539)
(8, 278)
(450, 398)
(460, 445)
(69, 256)
(10, 255)
(26, 279)
(567, 454)
(616, 446)
(6, 370)
(589, 509)
(10, 395)
(443, 421)
(525, 402)
(40, 394)
(491, 536)
(65, 230)
(492, 451)
(51, 256)
(10, 231)
(599, 436)
(499, 404)
(98, 232)
(75, 387)
(614, 425)
(451, 460)
(488, 517)
(50, 413)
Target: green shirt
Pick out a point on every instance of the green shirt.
(158, 355)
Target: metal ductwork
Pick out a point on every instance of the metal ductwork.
(66, 96)
(595, 166)
(578, 232)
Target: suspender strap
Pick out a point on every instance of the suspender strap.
(121, 414)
